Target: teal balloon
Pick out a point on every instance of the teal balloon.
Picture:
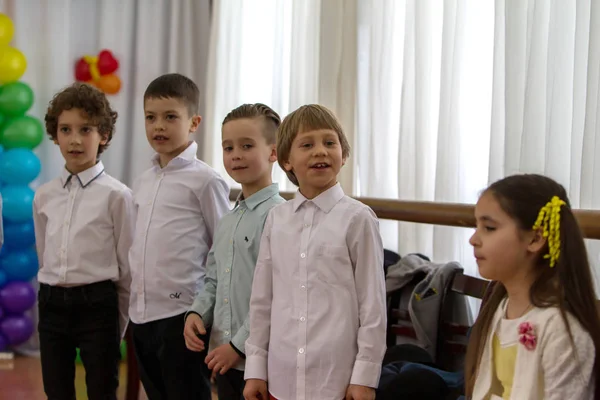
(17, 203)
(25, 131)
(19, 166)
(15, 98)
(20, 266)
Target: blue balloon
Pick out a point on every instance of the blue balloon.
(19, 166)
(20, 265)
(17, 203)
(19, 235)
(3, 278)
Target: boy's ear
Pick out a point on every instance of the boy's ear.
(273, 155)
(196, 119)
(104, 139)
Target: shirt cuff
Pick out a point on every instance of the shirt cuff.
(256, 368)
(366, 373)
(187, 314)
(237, 350)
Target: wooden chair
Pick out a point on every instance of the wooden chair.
(452, 337)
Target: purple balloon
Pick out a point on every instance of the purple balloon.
(3, 343)
(16, 329)
(1, 313)
(17, 297)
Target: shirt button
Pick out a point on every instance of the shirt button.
(149, 203)
(303, 255)
(227, 270)
(302, 286)
(226, 301)
(302, 319)
(306, 225)
(301, 351)
(226, 333)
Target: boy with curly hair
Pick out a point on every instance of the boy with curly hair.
(84, 222)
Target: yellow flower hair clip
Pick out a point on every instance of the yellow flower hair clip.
(549, 220)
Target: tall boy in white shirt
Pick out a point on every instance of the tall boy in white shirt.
(84, 224)
(180, 200)
(318, 308)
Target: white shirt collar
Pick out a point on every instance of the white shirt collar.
(185, 157)
(84, 177)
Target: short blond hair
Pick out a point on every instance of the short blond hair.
(310, 117)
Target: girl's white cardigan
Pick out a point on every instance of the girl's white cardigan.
(553, 370)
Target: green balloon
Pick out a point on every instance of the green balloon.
(15, 99)
(21, 132)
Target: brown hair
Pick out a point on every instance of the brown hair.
(568, 285)
(90, 100)
(175, 86)
(257, 110)
(307, 118)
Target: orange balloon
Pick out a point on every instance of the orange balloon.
(109, 84)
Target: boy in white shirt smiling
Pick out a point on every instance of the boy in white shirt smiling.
(83, 229)
(180, 200)
(318, 308)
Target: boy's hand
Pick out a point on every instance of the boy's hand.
(194, 327)
(256, 389)
(357, 392)
(221, 359)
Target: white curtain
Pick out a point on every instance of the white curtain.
(148, 37)
(546, 106)
(284, 54)
(411, 81)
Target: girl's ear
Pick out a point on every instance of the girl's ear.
(537, 241)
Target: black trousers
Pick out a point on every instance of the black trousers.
(231, 385)
(168, 370)
(86, 317)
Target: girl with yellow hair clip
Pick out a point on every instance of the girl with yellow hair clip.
(538, 335)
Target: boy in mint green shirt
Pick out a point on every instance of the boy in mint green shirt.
(248, 139)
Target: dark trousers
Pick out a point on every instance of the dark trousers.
(231, 385)
(168, 370)
(86, 317)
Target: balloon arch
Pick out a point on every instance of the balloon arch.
(20, 134)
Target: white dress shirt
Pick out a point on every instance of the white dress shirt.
(318, 308)
(179, 207)
(83, 230)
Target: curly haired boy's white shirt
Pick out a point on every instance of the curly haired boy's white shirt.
(554, 369)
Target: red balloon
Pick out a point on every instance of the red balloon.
(107, 63)
(82, 71)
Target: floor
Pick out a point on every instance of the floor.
(21, 379)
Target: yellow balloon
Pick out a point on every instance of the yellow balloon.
(7, 30)
(12, 65)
